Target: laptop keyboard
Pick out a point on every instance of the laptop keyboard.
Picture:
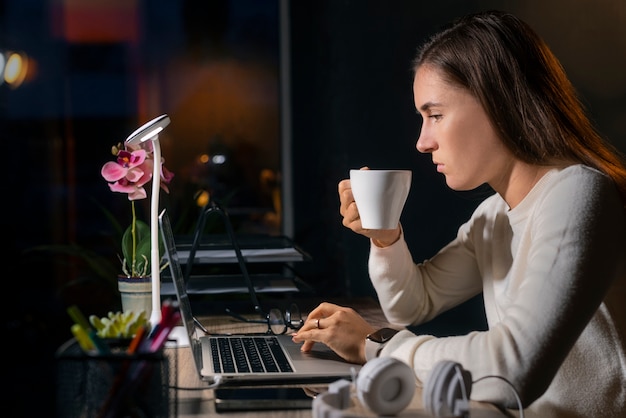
(246, 354)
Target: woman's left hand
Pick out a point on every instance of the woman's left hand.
(342, 329)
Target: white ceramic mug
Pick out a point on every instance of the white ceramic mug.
(380, 196)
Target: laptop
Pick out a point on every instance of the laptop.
(321, 365)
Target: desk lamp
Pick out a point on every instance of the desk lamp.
(146, 132)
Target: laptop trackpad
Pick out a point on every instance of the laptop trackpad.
(304, 362)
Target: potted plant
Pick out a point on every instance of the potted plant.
(129, 173)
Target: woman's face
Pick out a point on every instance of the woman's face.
(457, 132)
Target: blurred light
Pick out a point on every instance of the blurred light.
(2, 62)
(15, 69)
(204, 158)
(218, 159)
(202, 198)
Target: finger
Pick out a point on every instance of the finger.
(324, 309)
(322, 323)
(321, 316)
(352, 212)
(343, 186)
(310, 323)
(352, 219)
(346, 199)
(308, 338)
(314, 314)
(307, 345)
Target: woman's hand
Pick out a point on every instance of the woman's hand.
(342, 329)
(352, 220)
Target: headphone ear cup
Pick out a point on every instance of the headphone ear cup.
(385, 385)
(447, 384)
(432, 389)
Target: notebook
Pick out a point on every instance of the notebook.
(321, 365)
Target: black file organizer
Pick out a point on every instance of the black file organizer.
(116, 384)
(237, 243)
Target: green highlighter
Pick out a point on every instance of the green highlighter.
(85, 329)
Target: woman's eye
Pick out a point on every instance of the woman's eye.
(436, 117)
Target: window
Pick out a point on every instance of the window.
(98, 70)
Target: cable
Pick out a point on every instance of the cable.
(216, 382)
(190, 388)
(517, 397)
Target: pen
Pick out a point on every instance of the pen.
(137, 339)
(81, 321)
(78, 317)
(82, 338)
(166, 310)
(159, 340)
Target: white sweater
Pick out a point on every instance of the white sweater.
(553, 275)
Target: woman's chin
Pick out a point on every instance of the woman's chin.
(459, 186)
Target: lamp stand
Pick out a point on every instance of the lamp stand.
(155, 316)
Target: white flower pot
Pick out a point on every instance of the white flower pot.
(136, 293)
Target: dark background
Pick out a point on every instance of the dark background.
(351, 105)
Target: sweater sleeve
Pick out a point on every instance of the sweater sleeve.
(410, 293)
(565, 249)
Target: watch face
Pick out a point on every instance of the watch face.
(382, 335)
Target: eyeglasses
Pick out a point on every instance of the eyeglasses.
(277, 322)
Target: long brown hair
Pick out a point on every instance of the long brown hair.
(523, 88)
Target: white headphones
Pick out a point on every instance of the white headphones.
(386, 386)
(447, 390)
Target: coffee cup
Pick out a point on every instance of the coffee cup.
(380, 196)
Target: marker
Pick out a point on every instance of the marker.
(80, 320)
(137, 339)
(159, 340)
(83, 339)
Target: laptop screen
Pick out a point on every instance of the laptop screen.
(179, 284)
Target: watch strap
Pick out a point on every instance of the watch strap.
(375, 342)
(372, 349)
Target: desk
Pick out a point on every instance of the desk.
(194, 403)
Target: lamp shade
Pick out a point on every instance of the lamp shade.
(148, 130)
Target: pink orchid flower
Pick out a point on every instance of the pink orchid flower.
(129, 173)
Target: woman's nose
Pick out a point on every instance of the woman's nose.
(425, 144)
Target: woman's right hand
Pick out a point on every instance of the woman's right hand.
(340, 328)
(352, 220)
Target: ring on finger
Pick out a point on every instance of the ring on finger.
(317, 323)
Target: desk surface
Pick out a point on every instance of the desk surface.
(195, 399)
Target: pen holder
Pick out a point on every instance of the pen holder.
(116, 384)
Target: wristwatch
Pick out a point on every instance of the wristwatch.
(375, 342)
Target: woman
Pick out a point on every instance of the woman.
(547, 249)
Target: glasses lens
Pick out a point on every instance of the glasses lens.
(276, 321)
(294, 317)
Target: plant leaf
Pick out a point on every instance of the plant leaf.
(127, 248)
(143, 257)
(141, 265)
